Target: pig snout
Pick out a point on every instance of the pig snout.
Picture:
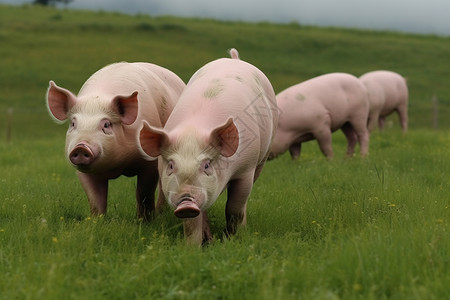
(186, 207)
(82, 155)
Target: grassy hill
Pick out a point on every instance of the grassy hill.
(39, 44)
(373, 228)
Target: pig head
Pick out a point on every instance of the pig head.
(217, 137)
(104, 119)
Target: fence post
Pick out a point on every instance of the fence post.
(435, 105)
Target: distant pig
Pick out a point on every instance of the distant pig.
(218, 136)
(317, 107)
(388, 92)
(105, 117)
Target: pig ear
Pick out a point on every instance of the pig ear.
(226, 138)
(152, 139)
(59, 101)
(126, 107)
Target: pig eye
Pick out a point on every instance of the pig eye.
(170, 167)
(73, 124)
(206, 167)
(106, 126)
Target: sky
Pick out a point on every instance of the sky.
(414, 16)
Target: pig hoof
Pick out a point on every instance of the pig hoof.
(187, 209)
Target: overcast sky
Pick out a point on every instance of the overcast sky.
(417, 16)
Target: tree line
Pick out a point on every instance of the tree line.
(51, 2)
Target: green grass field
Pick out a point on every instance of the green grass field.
(373, 228)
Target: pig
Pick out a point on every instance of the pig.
(218, 137)
(388, 92)
(319, 106)
(104, 120)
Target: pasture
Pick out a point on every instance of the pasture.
(349, 228)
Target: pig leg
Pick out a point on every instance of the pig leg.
(323, 137)
(161, 199)
(381, 122)
(236, 207)
(96, 190)
(402, 112)
(145, 193)
(196, 230)
(207, 236)
(372, 121)
(258, 171)
(192, 228)
(295, 150)
(351, 137)
(363, 137)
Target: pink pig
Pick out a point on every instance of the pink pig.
(105, 118)
(218, 136)
(388, 92)
(317, 107)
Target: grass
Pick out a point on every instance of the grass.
(374, 228)
(354, 229)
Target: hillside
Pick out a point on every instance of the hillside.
(39, 44)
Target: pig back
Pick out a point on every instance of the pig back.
(158, 89)
(230, 88)
(342, 96)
